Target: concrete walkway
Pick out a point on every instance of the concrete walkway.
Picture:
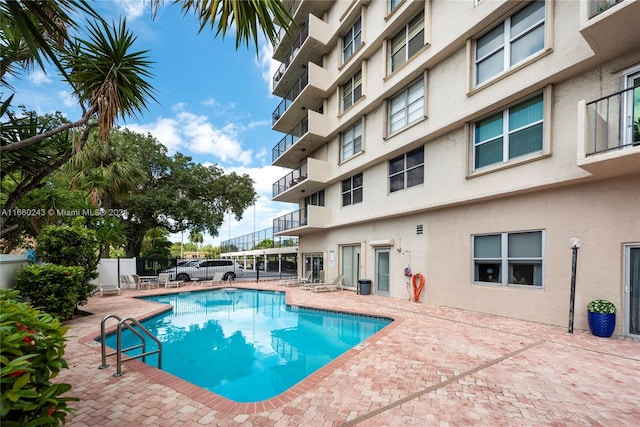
(433, 366)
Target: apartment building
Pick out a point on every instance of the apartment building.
(480, 143)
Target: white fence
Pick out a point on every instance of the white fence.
(110, 269)
(9, 266)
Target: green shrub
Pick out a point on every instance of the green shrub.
(72, 246)
(51, 288)
(32, 350)
(601, 306)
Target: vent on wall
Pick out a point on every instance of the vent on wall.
(419, 229)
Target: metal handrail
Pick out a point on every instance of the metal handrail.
(123, 323)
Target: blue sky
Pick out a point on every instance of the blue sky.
(215, 102)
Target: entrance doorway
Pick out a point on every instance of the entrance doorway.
(350, 257)
(632, 290)
(383, 262)
(315, 264)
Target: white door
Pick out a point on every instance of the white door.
(632, 290)
(383, 262)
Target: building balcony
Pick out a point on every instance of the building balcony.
(305, 179)
(311, 87)
(309, 46)
(306, 137)
(300, 11)
(303, 221)
(609, 134)
(607, 21)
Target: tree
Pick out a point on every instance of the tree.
(110, 233)
(196, 238)
(102, 170)
(109, 79)
(211, 251)
(179, 195)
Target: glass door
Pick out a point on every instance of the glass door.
(383, 258)
(315, 264)
(350, 265)
(632, 290)
(632, 115)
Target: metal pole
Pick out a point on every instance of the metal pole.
(257, 268)
(572, 301)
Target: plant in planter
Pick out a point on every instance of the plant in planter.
(602, 317)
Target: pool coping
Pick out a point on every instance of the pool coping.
(219, 403)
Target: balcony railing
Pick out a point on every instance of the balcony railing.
(304, 33)
(613, 121)
(291, 138)
(257, 240)
(292, 11)
(291, 220)
(598, 6)
(291, 179)
(302, 82)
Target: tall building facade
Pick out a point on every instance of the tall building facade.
(481, 143)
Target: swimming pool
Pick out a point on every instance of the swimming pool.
(248, 345)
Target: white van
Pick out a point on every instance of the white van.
(204, 270)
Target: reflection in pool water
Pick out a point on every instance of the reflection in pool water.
(248, 345)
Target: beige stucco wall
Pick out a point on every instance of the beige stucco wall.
(605, 214)
(541, 191)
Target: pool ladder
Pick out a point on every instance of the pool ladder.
(127, 322)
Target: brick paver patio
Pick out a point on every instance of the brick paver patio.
(433, 366)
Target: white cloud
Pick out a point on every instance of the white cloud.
(188, 132)
(202, 137)
(67, 98)
(266, 63)
(132, 9)
(38, 77)
(165, 130)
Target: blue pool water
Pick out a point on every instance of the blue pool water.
(248, 345)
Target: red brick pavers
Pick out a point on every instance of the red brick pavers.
(433, 366)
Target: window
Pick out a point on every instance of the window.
(406, 43)
(407, 106)
(352, 190)
(407, 170)
(517, 38)
(513, 132)
(393, 4)
(352, 40)
(351, 91)
(509, 258)
(315, 199)
(351, 141)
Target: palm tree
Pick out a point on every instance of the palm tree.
(247, 17)
(103, 170)
(110, 233)
(196, 238)
(107, 77)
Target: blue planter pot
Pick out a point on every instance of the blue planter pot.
(602, 324)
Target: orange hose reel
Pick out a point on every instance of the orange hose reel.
(417, 284)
